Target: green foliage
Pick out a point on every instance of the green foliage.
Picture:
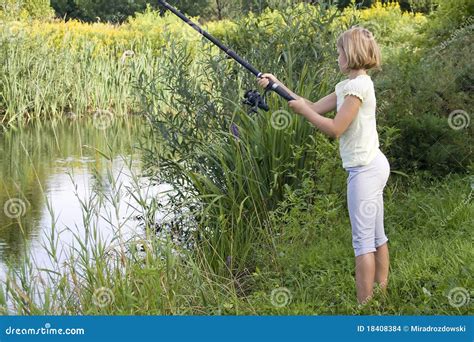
(293, 43)
(67, 9)
(419, 91)
(450, 16)
(297, 43)
(102, 10)
(428, 143)
(310, 255)
(119, 10)
(23, 9)
(393, 29)
(90, 79)
(190, 7)
(423, 6)
(428, 248)
(236, 166)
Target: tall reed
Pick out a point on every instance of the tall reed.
(232, 169)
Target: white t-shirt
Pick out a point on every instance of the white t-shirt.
(359, 144)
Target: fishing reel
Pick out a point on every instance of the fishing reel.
(253, 99)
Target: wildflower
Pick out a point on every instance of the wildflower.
(235, 130)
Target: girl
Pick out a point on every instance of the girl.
(367, 167)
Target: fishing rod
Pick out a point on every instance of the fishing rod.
(251, 97)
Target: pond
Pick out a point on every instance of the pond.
(59, 179)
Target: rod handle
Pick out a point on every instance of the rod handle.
(279, 90)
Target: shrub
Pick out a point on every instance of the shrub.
(420, 85)
(450, 16)
(23, 9)
(428, 143)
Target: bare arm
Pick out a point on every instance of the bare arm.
(332, 127)
(325, 105)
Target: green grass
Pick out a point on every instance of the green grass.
(309, 263)
(40, 82)
(315, 258)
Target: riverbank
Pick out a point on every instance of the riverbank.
(307, 269)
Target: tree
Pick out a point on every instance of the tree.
(192, 7)
(425, 6)
(66, 9)
(118, 10)
(105, 10)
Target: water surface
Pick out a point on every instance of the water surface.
(52, 175)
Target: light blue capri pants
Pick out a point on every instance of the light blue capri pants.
(365, 186)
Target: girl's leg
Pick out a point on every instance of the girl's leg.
(382, 263)
(365, 276)
(365, 204)
(362, 212)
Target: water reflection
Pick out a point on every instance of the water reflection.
(49, 179)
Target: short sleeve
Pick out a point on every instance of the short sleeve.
(355, 87)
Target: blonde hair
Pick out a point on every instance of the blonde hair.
(360, 48)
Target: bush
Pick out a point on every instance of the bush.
(428, 143)
(291, 43)
(392, 28)
(421, 84)
(450, 16)
(23, 9)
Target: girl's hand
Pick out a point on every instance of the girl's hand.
(263, 81)
(299, 105)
